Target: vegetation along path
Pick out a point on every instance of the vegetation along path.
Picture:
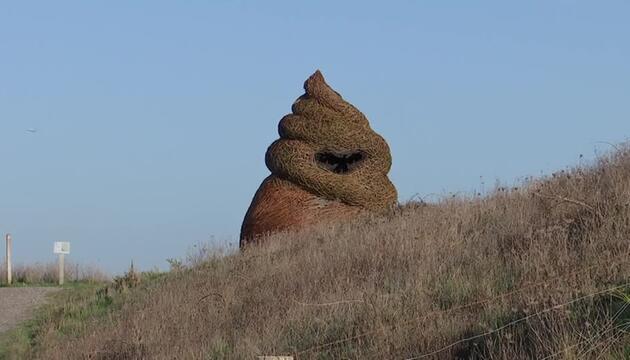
(17, 304)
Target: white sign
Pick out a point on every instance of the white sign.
(61, 247)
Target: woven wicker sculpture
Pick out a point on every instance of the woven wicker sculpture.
(327, 165)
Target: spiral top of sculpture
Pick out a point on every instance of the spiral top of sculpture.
(328, 164)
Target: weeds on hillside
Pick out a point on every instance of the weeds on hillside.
(69, 313)
(198, 254)
(65, 316)
(536, 272)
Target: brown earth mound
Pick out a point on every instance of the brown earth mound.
(327, 165)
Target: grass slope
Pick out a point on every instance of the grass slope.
(528, 273)
(65, 315)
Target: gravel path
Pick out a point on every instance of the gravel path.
(17, 304)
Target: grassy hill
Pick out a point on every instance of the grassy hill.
(539, 271)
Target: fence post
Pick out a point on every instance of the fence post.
(9, 271)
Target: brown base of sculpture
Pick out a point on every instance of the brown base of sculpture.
(281, 205)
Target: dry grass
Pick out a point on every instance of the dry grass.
(406, 285)
(48, 273)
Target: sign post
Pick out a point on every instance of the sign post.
(8, 239)
(61, 248)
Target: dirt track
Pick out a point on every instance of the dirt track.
(17, 304)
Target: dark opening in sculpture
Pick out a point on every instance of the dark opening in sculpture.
(340, 162)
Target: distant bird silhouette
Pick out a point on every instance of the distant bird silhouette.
(31, 130)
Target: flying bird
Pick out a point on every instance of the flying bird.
(31, 130)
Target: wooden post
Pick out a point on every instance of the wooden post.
(9, 271)
(61, 269)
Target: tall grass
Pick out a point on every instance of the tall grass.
(522, 273)
(48, 273)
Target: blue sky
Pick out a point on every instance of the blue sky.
(153, 117)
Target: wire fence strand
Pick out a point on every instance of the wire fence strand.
(615, 261)
(512, 323)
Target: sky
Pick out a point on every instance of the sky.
(152, 118)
